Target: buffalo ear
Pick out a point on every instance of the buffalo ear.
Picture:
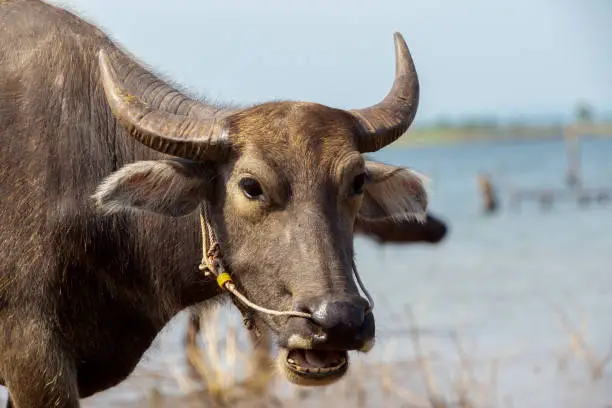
(393, 193)
(172, 187)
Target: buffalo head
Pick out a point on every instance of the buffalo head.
(286, 184)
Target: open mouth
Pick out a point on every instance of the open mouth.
(313, 367)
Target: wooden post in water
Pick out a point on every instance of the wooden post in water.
(487, 192)
(572, 145)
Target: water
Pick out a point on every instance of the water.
(496, 280)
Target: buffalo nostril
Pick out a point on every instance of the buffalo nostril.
(330, 315)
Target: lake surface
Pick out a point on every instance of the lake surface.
(496, 280)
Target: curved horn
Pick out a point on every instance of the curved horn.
(177, 135)
(385, 122)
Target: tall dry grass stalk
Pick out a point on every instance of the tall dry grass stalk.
(218, 364)
(579, 345)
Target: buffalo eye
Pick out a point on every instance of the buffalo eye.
(251, 188)
(358, 183)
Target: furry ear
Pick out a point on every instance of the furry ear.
(395, 193)
(172, 187)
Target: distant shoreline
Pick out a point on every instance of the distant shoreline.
(439, 136)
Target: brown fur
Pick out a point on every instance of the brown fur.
(85, 286)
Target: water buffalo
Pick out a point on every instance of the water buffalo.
(103, 168)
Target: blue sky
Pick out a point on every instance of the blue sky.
(506, 58)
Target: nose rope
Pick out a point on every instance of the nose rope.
(363, 289)
(212, 264)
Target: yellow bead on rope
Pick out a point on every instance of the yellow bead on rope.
(224, 278)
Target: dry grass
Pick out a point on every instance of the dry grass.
(227, 372)
(579, 346)
(216, 375)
